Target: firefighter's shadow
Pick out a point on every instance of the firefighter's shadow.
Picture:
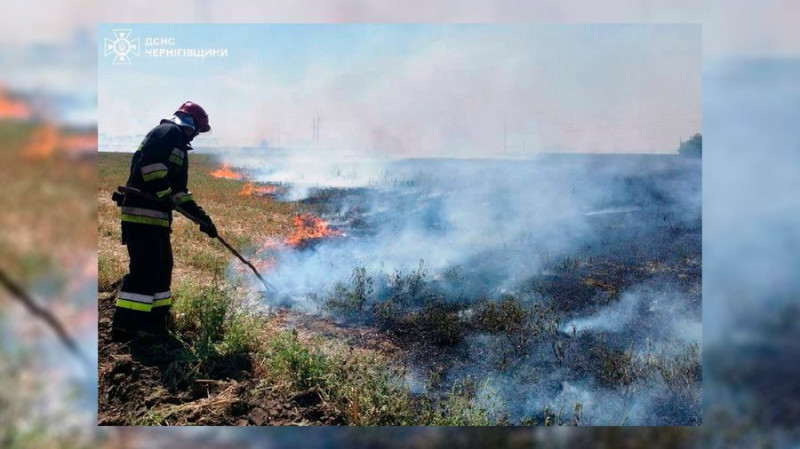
(181, 364)
(158, 351)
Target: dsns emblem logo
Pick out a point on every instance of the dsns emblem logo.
(121, 46)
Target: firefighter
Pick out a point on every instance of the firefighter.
(159, 167)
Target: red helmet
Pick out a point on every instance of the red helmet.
(198, 114)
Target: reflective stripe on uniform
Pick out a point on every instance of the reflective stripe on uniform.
(138, 297)
(154, 171)
(133, 305)
(153, 167)
(177, 157)
(135, 301)
(145, 220)
(164, 192)
(162, 299)
(145, 216)
(181, 197)
(155, 175)
(163, 302)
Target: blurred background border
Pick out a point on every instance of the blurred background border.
(751, 202)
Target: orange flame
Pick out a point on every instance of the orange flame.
(309, 228)
(266, 256)
(43, 142)
(13, 109)
(225, 172)
(251, 189)
(79, 143)
(48, 139)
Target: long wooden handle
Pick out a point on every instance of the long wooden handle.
(18, 293)
(252, 267)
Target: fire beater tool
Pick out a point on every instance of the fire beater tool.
(136, 192)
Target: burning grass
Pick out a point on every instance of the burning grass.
(308, 229)
(229, 362)
(251, 188)
(225, 172)
(46, 217)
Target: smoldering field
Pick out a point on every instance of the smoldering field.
(561, 289)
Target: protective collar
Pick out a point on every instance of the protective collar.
(184, 120)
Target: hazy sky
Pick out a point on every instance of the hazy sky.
(730, 27)
(420, 89)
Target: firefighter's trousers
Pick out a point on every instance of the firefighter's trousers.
(144, 299)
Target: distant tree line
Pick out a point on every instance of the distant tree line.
(692, 147)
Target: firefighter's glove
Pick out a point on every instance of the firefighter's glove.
(118, 198)
(209, 229)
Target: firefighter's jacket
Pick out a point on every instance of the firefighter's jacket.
(160, 167)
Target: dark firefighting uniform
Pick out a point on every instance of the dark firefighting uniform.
(160, 168)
